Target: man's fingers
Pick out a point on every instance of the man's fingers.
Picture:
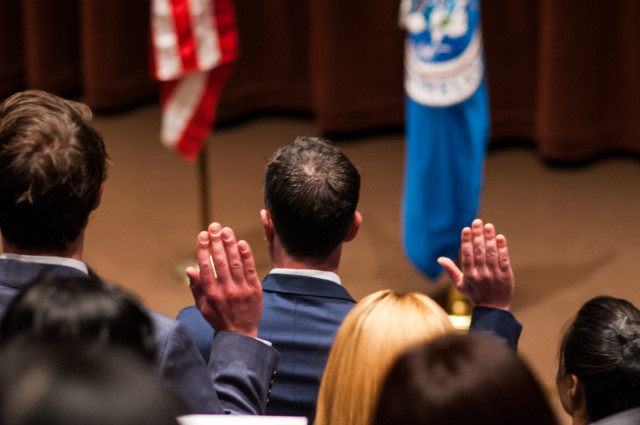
(203, 256)
(477, 230)
(466, 250)
(236, 267)
(490, 246)
(503, 253)
(218, 253)
(250, 272)
(455, 274)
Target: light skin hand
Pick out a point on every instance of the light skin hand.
(229, 297)
(486, 277)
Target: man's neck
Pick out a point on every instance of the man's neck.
(281, 260)
(74, 249)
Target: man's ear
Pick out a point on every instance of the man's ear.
(99, 199)
(267, 224)
(355, 226)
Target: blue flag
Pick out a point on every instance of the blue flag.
(447, 126)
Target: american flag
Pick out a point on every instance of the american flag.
(193, 45)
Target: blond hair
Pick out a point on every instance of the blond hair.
(375, 332)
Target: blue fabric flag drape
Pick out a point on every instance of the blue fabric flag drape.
(447, 127)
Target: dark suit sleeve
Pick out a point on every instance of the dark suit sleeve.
(243, 369)
(237, 379)
(182, 368)
(500, 323)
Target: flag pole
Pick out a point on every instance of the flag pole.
(203, 177)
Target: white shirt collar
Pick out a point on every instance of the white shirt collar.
(319, 274)
(45, 259)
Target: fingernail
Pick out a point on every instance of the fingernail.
(203, 237)
(214, 229)
(227, 235)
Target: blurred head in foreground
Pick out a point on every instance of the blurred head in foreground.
(46, 385)
(470, 379)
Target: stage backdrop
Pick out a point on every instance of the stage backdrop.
(562, 74)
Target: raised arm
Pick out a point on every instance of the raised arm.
(486, 279)
(228, 294)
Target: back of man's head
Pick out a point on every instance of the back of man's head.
(311, 190)
(52, 163)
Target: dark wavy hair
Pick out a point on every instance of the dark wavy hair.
(601, 347)
(311, 190)
(470, 379)
(52, 163)
(80, 312)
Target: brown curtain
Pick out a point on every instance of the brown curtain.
(563, 74)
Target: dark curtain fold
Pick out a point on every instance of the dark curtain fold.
(563, 74)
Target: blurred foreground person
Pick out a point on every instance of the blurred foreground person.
(470, 379)
(79, 313)
(54, 385)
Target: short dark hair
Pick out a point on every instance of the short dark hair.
(472, 379)
(80, 312)
(52, 163)
(601, 347)
(311, 190)
(61, 386)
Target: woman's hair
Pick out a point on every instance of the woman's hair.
(380, 327)
(601, 347)
(82, 312)
(470, 379)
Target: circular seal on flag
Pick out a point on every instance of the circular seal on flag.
(443, 58)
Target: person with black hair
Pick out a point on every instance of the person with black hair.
(55, 384)
(472, 379)
(81, 313)
(598, 377)
(53, 166)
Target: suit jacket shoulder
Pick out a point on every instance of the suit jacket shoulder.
(300, 316)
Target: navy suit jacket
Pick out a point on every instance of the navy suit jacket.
(300, 316)
(236, 380)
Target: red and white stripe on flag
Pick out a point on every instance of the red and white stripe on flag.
(193, 45)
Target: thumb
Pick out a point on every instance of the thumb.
(455, 274)
(194, 282)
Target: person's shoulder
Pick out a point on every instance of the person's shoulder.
(166, 328)
(626, 417)
(188, 314)
(306, 286)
